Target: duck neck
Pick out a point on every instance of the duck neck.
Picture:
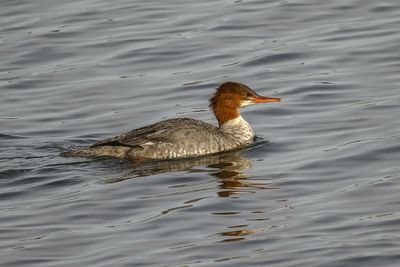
(238, 129)
(231, 123)
(229, 119)
(226, 115)
(237, 122)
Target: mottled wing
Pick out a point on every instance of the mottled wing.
(168, 131)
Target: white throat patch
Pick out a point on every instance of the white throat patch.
(236, 121)
(246, 103)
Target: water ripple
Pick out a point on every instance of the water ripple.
(319, 187)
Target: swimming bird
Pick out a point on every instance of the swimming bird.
(185, 137)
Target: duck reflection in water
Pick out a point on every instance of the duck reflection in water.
(228, 167)
(232, 180)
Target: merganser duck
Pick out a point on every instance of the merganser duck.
(184, 137)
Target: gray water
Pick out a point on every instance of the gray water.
(320, 187)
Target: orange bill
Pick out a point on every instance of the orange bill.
(263, 99)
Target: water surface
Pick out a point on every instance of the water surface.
(319, 187)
